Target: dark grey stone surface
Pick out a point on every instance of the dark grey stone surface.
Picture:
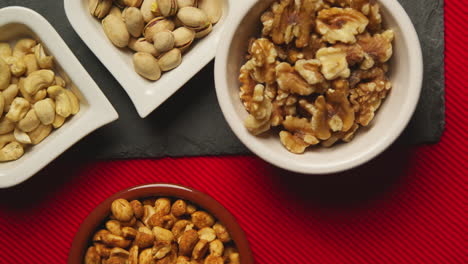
(190, 123)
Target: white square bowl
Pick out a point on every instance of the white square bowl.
(96, 111)
(146, 95)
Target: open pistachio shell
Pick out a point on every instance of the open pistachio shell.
(183, 38)
(146, 65)
(158, 24)
(170, 60)
(116, 30)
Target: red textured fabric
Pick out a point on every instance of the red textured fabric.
(407, 206)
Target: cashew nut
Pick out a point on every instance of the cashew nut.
(31, 63)
(45, 111)
(38, 80)
(41, 94)
(2, 104)
(9, 94)
(5, 75)
(18, 109)
(29, 122)
(74, 102)
(21, 136)
(5, 139)
(60, 81)
(6, 126)
(58, 121)
(23, 47)
(11, 151)
(5, 50)
(40, 133)
(17, 66)
(44, 61)
(14, 80)
(63, 105)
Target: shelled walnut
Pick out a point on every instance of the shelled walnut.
(137, 232)
(317, 72)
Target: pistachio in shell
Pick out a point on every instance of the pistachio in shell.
(193, 18)
(212, 8)
(167, 7)
(146, 10)
(147, 66)
(134, 21)
(116, 30)
(163, 41)
(202, 32)
(183, 38)
(157, 24)
(170, 60)
(100, 8)
(141, 45)
(185, 3)
(131, 3)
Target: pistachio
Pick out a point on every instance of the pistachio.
(193, 18)
(212, 8)
(163, 41)
(185, 3)
(44, 61)
(17, 66)
(38, 80)
(29, 122)
(131, 3)
(147, 66)
(116, 11)
(183, 38)
(200, 33)
(5, 75)
(5, 50)
(23, 47)
(40, 133)
(141, 45)
(119, 3)
(156, 25)
(134, 21)
(116, 30)
(167, 7)
(31, 63)
(146, 10)
(170, 60)
(99, 8)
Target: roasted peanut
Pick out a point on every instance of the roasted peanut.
(133, 255)
(146, 256)
(114, 227)
(162, 206)
(122, 210)
(119, 252)
(92, 257)
(187, 242)
(221, 233)
(112, 240)
(179, 208)
(207, 233)
(144, 237)
(102, 250)
(129, 232)
(179, 227)
(202, 219)
(200, 249)
(216, 248)
(161, 249)
(137, 208)
(213, 260)
(162, 234)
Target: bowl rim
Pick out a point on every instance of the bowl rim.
(99, 111)
(203, 200)
(228, 109)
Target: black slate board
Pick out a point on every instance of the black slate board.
(190, 123)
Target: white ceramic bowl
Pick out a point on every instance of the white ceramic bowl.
(96, 111)
(146, 95)
(391, 119)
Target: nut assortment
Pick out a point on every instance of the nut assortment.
(159, 31)
(159, 231)
(317, 72)
(34, 99)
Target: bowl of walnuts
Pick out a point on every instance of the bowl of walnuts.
(318, 86)
(160, 223)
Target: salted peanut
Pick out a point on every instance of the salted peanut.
(212, 8)
(102, 250)
(58, 121)
(179, 227)
(183, 38)
(147, 66)
(63, 104)
(122, 210)
(137, 208)
(38, 80)
(187, 242)
(40, 133)
(133, 255)
(5, 75)
(23, 47)
(183, 260)
(116, 30)
(202, 219)
(6, 126)
(5, 50)
(17, 66)
(207, 233)
(18, 109)
(156, 25)
(146, 256)
(334, 63)
(162, 234)
(134, 20)
(341, 24)
(74, 102)
(144, 238)
(221, 232)
(148, 212)
(170, 60)
(44, 61)
(29, 122)
(7, 138)
(114, 227)
(129, 232)
(167, 7)
(99, 8)
(161, 249)
(179, 208)
(146, 10)
(92, 257)
(31, 63)
(21, 136)
(141, 45)
(216, 248)
(214, 260)
(45, 111)
(163, 41)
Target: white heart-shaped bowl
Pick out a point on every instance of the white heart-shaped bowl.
(96, 111)
(145, 95)
(391, 119)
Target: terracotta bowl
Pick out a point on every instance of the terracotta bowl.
(96, 217)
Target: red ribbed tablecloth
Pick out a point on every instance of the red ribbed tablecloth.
(406, 206)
